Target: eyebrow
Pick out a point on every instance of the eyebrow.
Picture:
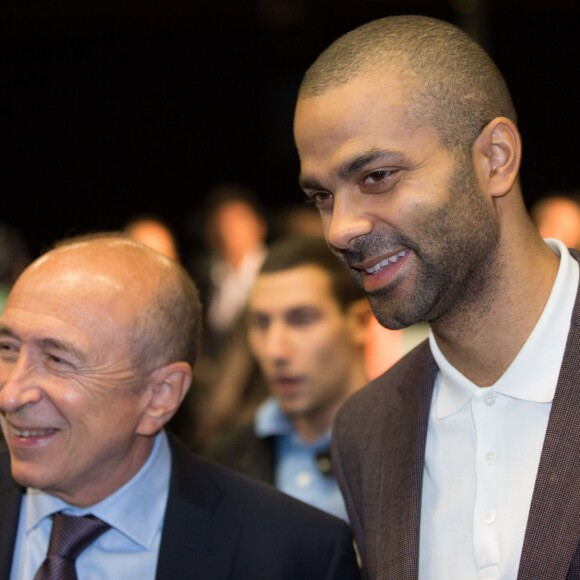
(62, 345)
(348, 169)
(5, 332)
(352, 166)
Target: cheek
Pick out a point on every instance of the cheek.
(325, 351)
(254, 340)
(92, 399)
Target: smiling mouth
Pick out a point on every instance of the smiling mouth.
(29, 433)
(386, 262)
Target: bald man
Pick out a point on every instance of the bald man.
(97, 342)
(462, 462)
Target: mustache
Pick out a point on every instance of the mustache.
(372, 245)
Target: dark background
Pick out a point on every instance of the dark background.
(112, 108)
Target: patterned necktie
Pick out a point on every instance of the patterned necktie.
(69, 537)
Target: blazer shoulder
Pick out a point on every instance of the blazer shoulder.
(240, 449)
(401, 375)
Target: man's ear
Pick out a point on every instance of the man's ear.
(497, 154)
(358, 317)
(167, 387)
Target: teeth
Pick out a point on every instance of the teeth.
(33, 432)
(386, 262)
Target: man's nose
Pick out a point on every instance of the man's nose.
(347, 222)
(277, 343)
(17, 385)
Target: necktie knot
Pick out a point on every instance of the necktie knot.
(69, 537)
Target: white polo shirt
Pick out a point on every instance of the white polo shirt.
(483, 450)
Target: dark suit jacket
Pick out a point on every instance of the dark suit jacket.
(219, 525)
(243, 451)
(379, 445)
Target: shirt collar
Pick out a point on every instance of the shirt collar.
(533, 374)
(272, 422)
(144, 497)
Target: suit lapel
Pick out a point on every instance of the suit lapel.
(553, 527)
(11, 495)
(402, 474)
(196, 542)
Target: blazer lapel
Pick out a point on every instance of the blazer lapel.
(402, 474)
(11, 495)
(196, 543)
(553, 527)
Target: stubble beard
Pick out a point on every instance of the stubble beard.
(457, 262)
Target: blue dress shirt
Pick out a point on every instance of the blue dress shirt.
(297, 469)
(135, 513)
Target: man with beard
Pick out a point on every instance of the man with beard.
(462, 461)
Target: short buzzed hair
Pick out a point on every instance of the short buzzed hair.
(293, 252)
(453, 84)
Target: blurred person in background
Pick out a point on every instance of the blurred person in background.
(14, 257)
(557, 215)
(235, 233)
(152, 231)
(307, 326)
(297, 220)
(235, 238)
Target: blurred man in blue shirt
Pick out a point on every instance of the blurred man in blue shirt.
(307, 326)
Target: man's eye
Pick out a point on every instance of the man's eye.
(7, 349)
(258, 322)
(57, 360)
(320, 199)
(303, 317)
(377, 177)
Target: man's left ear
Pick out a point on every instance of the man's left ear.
(358, 318)
(167, 387)
(497, 154)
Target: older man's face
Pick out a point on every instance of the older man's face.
(70, 404)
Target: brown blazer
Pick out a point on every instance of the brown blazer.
(379, 446)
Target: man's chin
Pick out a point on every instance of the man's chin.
(394, 319)
(26, 476)
(293, 409)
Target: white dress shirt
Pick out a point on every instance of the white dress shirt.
(135, 513)
(483, 450)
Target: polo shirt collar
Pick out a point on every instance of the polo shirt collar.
(533, 374)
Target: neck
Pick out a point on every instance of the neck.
(316, 423)
(110, 478)
(481, 341)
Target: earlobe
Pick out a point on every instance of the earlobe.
(168, 386)
(498, 151)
